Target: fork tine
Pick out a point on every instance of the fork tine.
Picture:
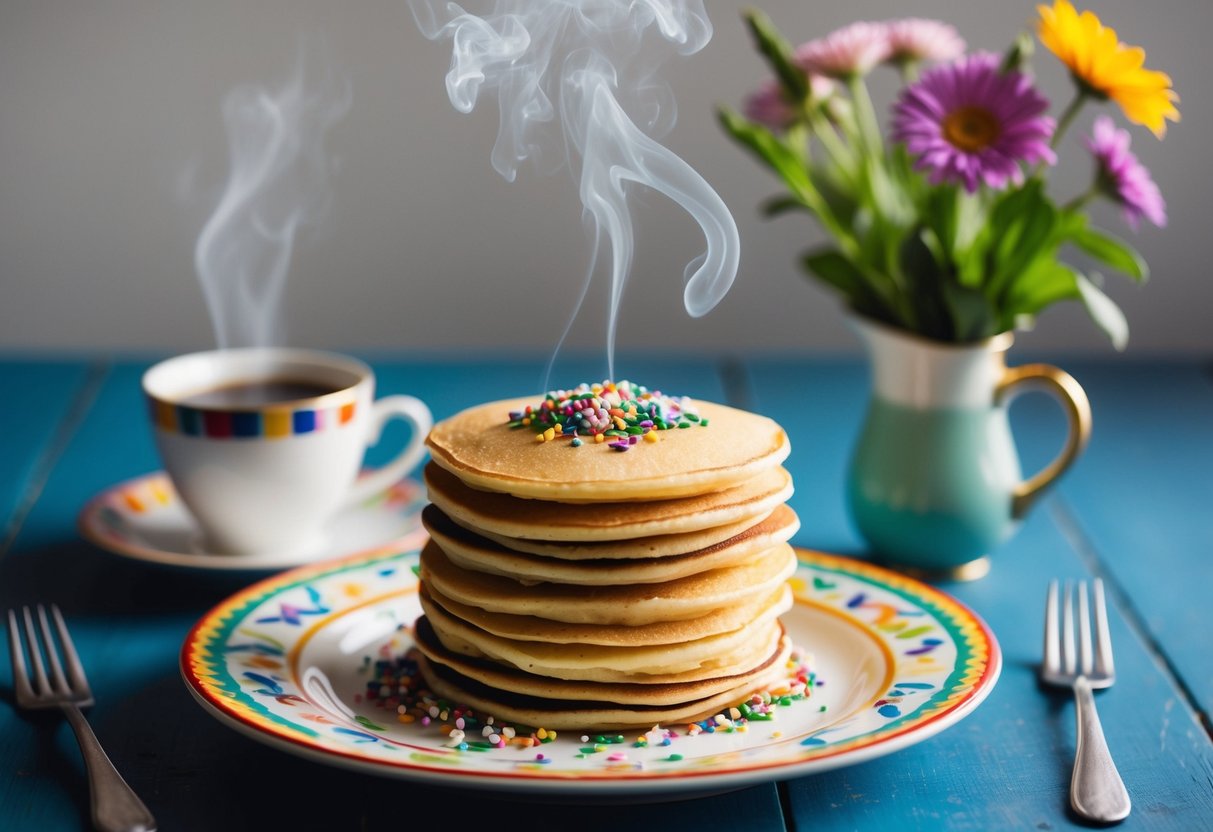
(1067, 630)
(1084, 630)
(1103, 636)
(1052, 649)
(17, 654)
(41, 685)
(75, 668)
(52, 653)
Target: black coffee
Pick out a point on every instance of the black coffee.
(255, 394)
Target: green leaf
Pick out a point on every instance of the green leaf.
(1112, 251)
(941, 216)
(1019, 56)
(1070, 221)
(778, 205)
(769, 148)
(1043, 283)
(778, 53)
(923, 280)
(972, 315)
(836, 270)
(1025, 234)
(1104, 311)
(957, 220)
(840, 199)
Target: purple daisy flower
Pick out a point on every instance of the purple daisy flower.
(967, 122)
(1123, 178)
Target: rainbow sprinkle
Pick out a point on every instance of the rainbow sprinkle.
(617, 414)
(396, 685)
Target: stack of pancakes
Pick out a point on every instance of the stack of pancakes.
(580, 587)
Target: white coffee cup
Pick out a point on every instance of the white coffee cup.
(264, 476)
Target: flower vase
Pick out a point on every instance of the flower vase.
(934, 483)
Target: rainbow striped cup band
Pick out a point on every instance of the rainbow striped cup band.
(277, 423)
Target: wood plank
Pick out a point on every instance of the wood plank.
(129, 621)
(1007, 765)
(38, 399)
(820, 404)
(1142, 497)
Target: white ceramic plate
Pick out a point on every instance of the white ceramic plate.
(144, 519)
(287, 661)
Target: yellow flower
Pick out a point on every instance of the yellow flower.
(1107, 67)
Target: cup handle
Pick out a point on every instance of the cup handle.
(1048, 379)
(413, 411)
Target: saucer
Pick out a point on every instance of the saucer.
(144, 519)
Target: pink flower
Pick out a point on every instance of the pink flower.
(821, 87)
(971, 123)
(770, 107)
(918, 39)
(1124, 179)
(851, 50)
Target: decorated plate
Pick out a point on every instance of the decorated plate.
(299, 661)
(144, 519)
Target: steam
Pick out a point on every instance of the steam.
(278, 181)
(573, 79)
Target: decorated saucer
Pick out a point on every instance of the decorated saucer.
(309, 662)
(145, 520)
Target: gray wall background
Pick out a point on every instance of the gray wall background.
(106, 108)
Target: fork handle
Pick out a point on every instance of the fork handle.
(115, 808)
(1096, 790)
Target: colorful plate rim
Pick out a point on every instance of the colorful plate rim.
(967, 687)
(90, 524)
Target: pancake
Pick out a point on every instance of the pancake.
(653, 546)
(470, 551)
(533, 628)
(622, 693)
(566, 714)
(690, 661)
(480, 449)
(689, 597)
(541, 520)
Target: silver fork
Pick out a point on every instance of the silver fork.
(1096, 790)
(115, 808)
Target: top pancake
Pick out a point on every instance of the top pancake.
(504, 515)
(479, 448)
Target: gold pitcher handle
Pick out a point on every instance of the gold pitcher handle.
(1016, 380)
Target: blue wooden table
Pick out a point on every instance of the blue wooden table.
(1136, 510)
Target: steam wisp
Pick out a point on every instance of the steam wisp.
(278, 180)
(575, 84)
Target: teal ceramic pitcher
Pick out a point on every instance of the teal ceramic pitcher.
(935, 483)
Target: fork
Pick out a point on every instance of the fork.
(115, 808)
(1096, 790)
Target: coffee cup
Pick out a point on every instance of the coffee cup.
(264, 446)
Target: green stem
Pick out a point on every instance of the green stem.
(805, 191)
(796, 139)
(824, 131)
(865, 114)
(1083, 198)
(1067, 117)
